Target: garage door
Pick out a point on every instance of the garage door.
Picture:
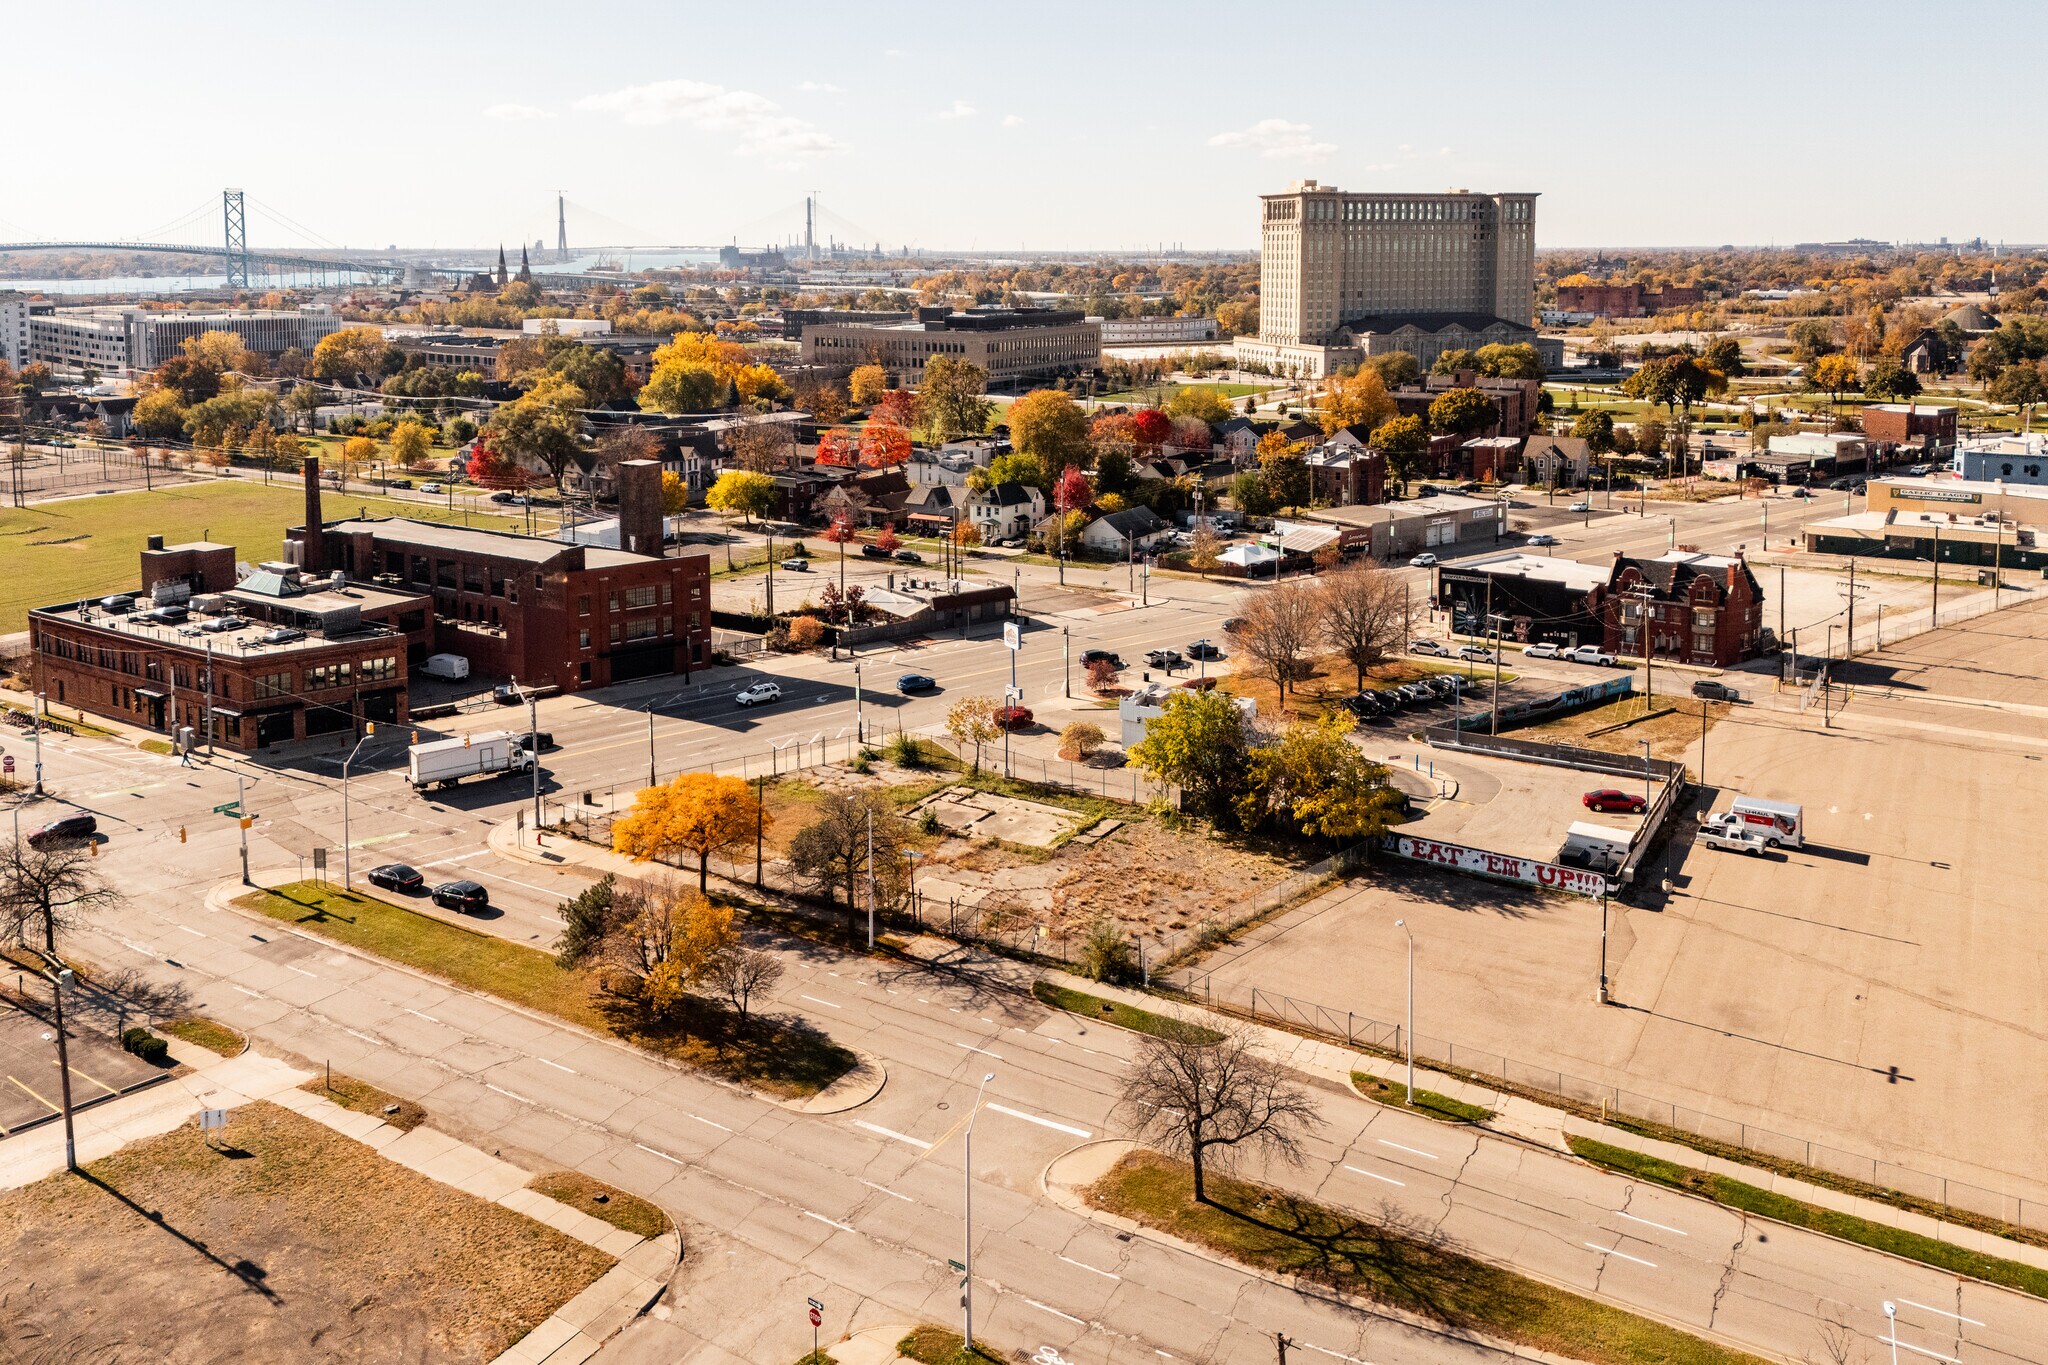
(643, 663)
(1439, 533)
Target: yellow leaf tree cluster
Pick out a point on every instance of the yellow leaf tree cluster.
(700, 813)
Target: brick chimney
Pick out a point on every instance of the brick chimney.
(313, 547)
(640, 518)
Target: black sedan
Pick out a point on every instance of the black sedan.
(464, 896)
(1090, 657)
(916, 682)
(71, 829)
(396, 877)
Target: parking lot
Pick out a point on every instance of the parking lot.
(29, 1088)
(1505, 806)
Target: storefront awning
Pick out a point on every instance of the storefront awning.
(149, 692)
(230, 712)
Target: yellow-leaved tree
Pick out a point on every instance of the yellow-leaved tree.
(1358, 400)
(410, 443)
(700, 813)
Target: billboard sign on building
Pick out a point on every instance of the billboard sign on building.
(1479, 862)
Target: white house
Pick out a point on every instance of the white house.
(1003, 510)
(1122, 533)
(1138, 710)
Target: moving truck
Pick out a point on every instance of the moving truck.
(1600, 847)
(448, 761)
(1781, 823)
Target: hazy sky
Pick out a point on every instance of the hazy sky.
(986, 126)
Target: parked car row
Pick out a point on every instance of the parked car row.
(1387, 701)
(1579, 654)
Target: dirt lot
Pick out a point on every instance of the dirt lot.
(1617, 728)
(294, 1244)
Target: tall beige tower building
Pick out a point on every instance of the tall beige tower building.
(1343, 275)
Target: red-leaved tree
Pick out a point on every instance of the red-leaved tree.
(1151, 428)
(888, 539)
(1071, 492)
(838, 448)
(490, 467)
(884, 445)
(897, 406)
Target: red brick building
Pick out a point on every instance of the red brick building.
(1909, 424)
(1601, 300)
(1516, 400)
(1693, 608)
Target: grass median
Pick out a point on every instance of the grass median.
(1846, 1226)
(1403, 1265)
(200, 1031)
(784, 1056)
(361, 1097)
(1428, 1103)
(936, 1346)
(1106, 1011)
(607, 1202)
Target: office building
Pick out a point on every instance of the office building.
(15, 311)
(1900, 425)
(1011, 345)
(1343, 276)
(114, 339)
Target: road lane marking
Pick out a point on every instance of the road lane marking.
(1412, 1151)
(829, 1222)
(1920, 1350)
(507, 1093)
(1105, 1274)
(1371, 1175)
(892, 1133)
(353, 1034)
(719, 1126)
(253, 995)
(301, 971)
(982, 1050)
(1048, 1308)
(556, 1065)
(1661, 1227)
(651, 1151)
(194, 932)
(1043, 1123)
(1610, 1251)
(1943, 1311)
(816, 1001)
(428, 1017)
(1334, 1355)
(886, 1190)
(462, 858)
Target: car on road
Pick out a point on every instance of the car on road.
(503, 496)
(1203, 649)
(1425, 560)
(398, 483)
(1091, 657)
(1859, 487)
(797, 565)
(396, 877)
(464, 896)
(908, 557)
(1610, 801)
(1542, 649)
(1233, 625)
(1541, 539)
(538, 741)
(1168, 659)
(281, 635)
(916, 682)
(1428, 646)
(873, 552)
(1589, 654)
(505, 694)
(1734, 839)
(71, 829)
(432, 488)
(758, 693)
(1802, 492)
(1708, 690)
(1010, 543)
(1582, 505)
(1477, 652)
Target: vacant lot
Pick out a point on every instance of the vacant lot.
(1671, 724)
(1330, 679)
(291, 1244)
(84, 547)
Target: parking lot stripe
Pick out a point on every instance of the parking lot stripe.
(33, 1095)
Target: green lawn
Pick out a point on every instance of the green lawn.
(87, 547)
(1159, 392)
(1105, 1011)
(938, 1346)
(1738, 1195)
(1404, 1266)
(785, 1056)
(1427, 1102)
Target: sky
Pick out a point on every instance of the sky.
(991, 127)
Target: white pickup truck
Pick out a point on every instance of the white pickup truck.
(1734, 839)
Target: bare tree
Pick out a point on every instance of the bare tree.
(617, 446)
(762, 446)
(742, 974)
(832, 851)
(1208, 1099)
(45, 890)
(1364, 612)
(1279, 627)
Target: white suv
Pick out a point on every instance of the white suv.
(1542, 649)
(1426, 646)
(758, 693)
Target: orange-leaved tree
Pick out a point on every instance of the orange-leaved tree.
(884, 445)
(700, 813)
(837, 447)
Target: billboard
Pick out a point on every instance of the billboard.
(1577, 881)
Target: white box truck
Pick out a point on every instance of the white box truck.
(452, 667)
(448, 761)
(1781, 823)
(1600, 847)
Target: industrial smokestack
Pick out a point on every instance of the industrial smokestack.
(640, 518)
(313, 546)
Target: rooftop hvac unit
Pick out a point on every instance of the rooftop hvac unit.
(337, 580)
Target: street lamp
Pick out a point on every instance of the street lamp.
(1891, 1328)
(967, 1275)
(859, 731)
(347, 864)
(1402, 925)
(60, 978)
(532, 701)
(1646, 768)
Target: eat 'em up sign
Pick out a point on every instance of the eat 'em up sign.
(1500, 866)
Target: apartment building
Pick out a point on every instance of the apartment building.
(1011, 345)
(114, 339)
(1451, 264)
(15, 311)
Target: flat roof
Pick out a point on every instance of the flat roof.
(1938, 488)
(435, 535)
(1445, 502)
(243, 642)
(1540, 568)
(1915, 522)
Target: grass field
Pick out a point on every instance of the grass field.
(86, 547)
(599, 1200)
(1408, 1266)
(1155, 393)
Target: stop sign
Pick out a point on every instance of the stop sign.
(816, 1317)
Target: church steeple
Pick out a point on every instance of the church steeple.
(501, 265)
(525, 270)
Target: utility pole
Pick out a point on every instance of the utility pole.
(242, 819)
(1649, 652)
(760, 821)
(60, 978)
(1493, 721)
(650, 743)
(1934, 616)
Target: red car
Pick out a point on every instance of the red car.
(1612, 802)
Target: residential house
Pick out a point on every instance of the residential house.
(1564, 461)
(1125, 533)
(1004, 511)
(1694, 608)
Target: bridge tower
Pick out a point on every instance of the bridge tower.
(561, 227)
(238, 239)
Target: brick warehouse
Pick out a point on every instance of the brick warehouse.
(373, 599)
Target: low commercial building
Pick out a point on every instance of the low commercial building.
(2026, 503)
(1693, 608)
(1983, 539)
(1909, 424)
(1011, 345)
(222, 673)
(115, 339)
(1816, 454)
(2018, 458)
(1535, 597)
(1400, 529)
(1155, 331)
